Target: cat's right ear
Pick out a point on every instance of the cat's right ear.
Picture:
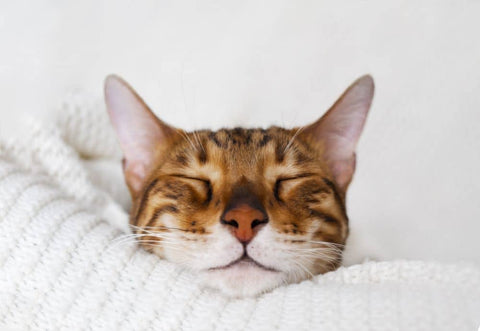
(140, 133)
(340, 128)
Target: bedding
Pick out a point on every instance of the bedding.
(63, 204)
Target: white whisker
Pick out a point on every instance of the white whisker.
(187, 138)
(197, 138)
(292, 139)
(158, 227)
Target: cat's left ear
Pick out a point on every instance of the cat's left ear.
(339, 129)
(142, 136)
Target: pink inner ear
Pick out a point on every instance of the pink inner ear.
(340, 128)
(139, 131)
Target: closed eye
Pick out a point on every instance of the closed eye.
(299, 176)
(191, 178)
(206, 182)
(280, 180)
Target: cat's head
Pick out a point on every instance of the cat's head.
(247, 209)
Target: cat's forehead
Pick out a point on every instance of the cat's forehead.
(247, 138)
(244, 152)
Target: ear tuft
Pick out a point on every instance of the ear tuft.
(339, 130)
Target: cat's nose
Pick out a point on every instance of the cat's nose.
(244, 220)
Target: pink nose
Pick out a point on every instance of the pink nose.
(244, 219)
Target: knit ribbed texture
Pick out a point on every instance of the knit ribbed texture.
(62, 202)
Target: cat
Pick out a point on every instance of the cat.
(246, 209)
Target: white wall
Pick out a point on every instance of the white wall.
(213, 63)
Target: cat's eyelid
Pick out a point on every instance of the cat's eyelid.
(299, 176)
(205, 180)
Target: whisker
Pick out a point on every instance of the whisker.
(326, 258)
(308, 272)
(329, 255)
(321, 255)
(156, 243)
(324, 243)
(187, 138)
(317, 250)
(293, 139)
(137, 237)
(149, 233)
(197, 138)
(159, 227)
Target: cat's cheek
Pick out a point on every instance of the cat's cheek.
(270, 249)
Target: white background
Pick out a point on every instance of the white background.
(416, 193)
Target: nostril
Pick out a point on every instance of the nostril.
(231, 223)
(259, 222)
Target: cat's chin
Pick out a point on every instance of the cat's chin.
(243, 279)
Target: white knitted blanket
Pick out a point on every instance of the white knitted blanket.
(62, 202)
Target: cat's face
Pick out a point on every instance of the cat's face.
(247, 209)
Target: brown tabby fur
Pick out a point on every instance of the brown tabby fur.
(195, 179)
(247, 209)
